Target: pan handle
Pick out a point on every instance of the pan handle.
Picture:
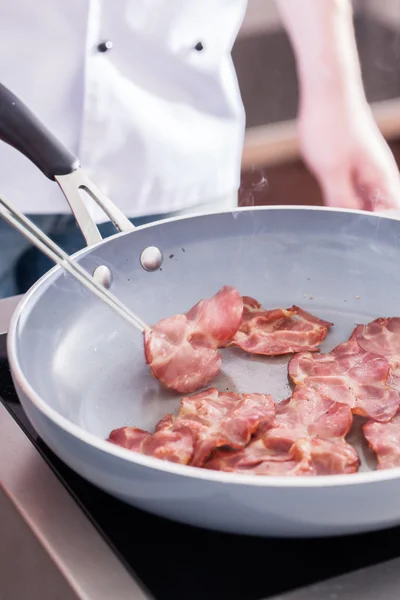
(22, 130)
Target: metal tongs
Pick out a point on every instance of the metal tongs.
(25, 226)
(21, 129)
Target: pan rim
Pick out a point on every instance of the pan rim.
(226, 478)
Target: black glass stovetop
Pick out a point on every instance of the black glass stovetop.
(178, 562)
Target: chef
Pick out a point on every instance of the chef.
(145, 93)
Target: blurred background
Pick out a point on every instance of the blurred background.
(272, 172)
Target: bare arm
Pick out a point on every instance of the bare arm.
(322, 36)
(340, 140)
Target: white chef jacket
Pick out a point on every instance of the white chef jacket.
(157, 123)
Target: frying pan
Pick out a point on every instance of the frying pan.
(79, 369)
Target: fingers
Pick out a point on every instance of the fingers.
(340, 192)
(381, 192)
(389, 198)
(362, 192)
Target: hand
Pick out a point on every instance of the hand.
(344, 149)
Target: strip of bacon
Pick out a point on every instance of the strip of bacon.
(224, 419)
(205, 421)
(349, 375)
(307, 414)
(257, 459)
(306, 438)
(307, 456)
(384, 439)
(382, 337)
(278, 331)
(182, 351)
(172, 441)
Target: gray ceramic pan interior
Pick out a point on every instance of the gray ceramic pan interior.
(87, 364)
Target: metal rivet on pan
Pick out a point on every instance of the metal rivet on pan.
(105, 46)
(151, 258)
(103, 276)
